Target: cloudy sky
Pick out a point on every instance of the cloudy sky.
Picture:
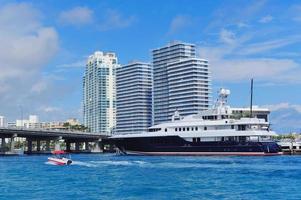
(44, 46)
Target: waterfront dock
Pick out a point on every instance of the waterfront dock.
(290, 147)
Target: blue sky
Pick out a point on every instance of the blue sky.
(45, 45)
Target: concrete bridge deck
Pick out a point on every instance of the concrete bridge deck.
(38, 136)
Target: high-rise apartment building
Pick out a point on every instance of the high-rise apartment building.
(134, 98)
(3, 122)
(99, 92)
(181, 81)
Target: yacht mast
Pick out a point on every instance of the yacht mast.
(251, 104)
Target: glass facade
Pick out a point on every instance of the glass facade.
(134, 98)
(99, 93)
(181, 81)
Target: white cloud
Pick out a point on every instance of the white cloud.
(242, 69)
(105, 20)
(242, 25)
(284, 106)
(226, 66)
(58, 113)
(236, 59)
(269, 45)
(77, 16)
(285, 117)
(179, 22)
(234, 13)
(39, 86)
(227, 37)
(76, 64)
(26, 48)
(49, 109)
(266, 19)
(113, 19)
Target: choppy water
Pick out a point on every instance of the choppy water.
(137, 177)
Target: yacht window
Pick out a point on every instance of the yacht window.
(187, 128)
(232, 126)
(225, 116)
(192, 128)
(198, 139)
(176, 129)
(165, 129)
(194, 139)
(180, 129)
(241, 127)
(196, 128)
(154, 129)
(183, 129)
(205, 128)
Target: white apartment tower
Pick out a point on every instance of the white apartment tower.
(181, 81)
(134, 98)
(3, 122)
(99, 92)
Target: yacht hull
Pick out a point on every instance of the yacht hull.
(177, 146)
(202, 153)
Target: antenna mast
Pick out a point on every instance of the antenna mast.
(251, 104)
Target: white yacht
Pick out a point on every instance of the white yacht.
(216, 131)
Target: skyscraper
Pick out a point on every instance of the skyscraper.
(99, 92)
(3, 122)
(181, 81)
(134, 97)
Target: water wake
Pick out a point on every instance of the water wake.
(117, 162)
(84, 164)
(49, 163)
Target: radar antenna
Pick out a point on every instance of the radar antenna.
(222, 97)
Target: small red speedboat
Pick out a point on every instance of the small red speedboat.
(60, 158)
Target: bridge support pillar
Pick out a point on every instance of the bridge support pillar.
(57, 144)
(68, 146)
(98, 146)
(47, 145)
(3, 144)
(87, 146)
(12, 143)
(77, 146)
(29, 146)
(38, 145)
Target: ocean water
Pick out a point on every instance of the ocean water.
(110, 176)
